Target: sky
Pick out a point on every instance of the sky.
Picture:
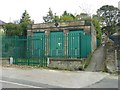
(11, 10)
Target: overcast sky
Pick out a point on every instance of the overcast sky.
(11, 10)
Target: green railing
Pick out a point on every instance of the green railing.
(22, 51)
(35, 50)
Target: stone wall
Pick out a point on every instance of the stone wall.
(4, 60)
(66, 64)
(93, 34)
(60, 24)
(63, 26)
(110, 57)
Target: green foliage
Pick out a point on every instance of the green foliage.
(25, 18)
(13, 29)
(64, 17)
(67, 16)
(18, 29)
(96, 24)
(108, 16)
(49, 17)
(24, 21)
(56, 18)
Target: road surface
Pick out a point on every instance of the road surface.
(8, 84)
(17, 83)
(97, 60)
(51, 78)
(107, 82)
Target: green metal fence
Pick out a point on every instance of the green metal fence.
(34, 50)
(23, 50)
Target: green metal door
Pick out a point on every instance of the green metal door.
(85, 45)
(38, 44)
(56, 44)
(74, 43)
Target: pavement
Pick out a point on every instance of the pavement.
(97, 60)
(45, 78)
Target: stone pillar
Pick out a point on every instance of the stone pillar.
(47, 48)
(65, 42)
(29, 32)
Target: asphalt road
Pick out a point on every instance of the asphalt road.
(17, 83)
(108, 82)
(7, 84)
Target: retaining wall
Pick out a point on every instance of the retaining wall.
(66, 64)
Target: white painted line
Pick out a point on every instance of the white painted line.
(20, 84)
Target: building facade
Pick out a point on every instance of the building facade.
(75, 39)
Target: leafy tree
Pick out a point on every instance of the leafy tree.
(49, 17)
(67, 16)
(25, 18)
(56, 18)
(13, 29)
(18, 27)
(96, 24)
(82, 16)
(53, 17)
(24, 21)
(108, 17)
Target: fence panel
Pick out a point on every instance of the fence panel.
(23, 50)
(31, 50)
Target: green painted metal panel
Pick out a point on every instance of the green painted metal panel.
(85, 45)
(23, 50)
(74, 43)
(79, 44)
(56, 44)
(38, 44)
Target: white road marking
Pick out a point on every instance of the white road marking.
(20, 84)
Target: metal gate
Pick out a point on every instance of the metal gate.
(24, 50)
